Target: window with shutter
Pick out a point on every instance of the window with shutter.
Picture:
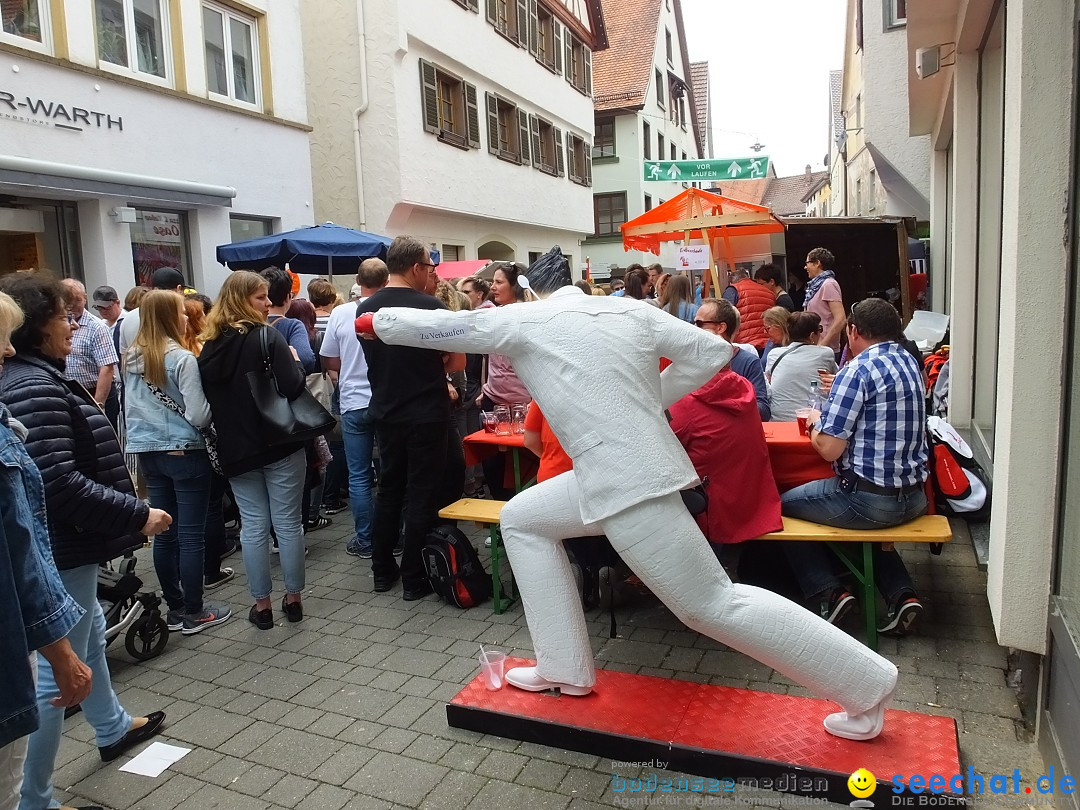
(430, 96)
(568, 55)
(521, 30)
(537, 157)
(586, 86)
(557, 44)
(588, 166)
(511, 19)
(473, 113)
(523, 136)
(560, 160)
(471, 5)
(646, 140)
(491, 10)
(578, 160)
(571, 158)
(492, 104)
(660, 92)
(534, 29)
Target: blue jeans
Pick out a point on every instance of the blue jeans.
(359, 437)
(180, 484)
(826, 503)
(271, 495)
(102, 708)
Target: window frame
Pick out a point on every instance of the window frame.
(660, 85)
(445, 253)
(577, 59)
(891, 15)
(130, 39)
(545, 135)
(602, 146)
(669, 49)
(228, 13)
(578, 154)
(469, 5)
(465, 105)
(514, 23)
(646, 140)
(610, 197)
(45, 46)
(504, 115)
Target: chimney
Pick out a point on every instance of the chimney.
(808, 172)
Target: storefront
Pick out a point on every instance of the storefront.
(106, 180)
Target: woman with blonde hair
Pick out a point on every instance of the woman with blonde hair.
(677, 298)
(267, 480)
(166, 412)
(792, 369)
(775, 320)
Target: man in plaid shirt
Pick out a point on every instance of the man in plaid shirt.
(873, 430)
(93, 359)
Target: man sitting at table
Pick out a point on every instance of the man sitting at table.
(625, 484)
(718, 317)
(872, 429)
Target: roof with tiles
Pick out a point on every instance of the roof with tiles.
(784, 196)
(621, 74)
(836, 93)
(699, 86)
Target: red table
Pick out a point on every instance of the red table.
(794, 461)
(480, 445)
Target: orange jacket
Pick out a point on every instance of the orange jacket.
(754, 299)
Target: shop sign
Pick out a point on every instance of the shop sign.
(694, 257)
(52, 113)
(690, 171)
(158, 228)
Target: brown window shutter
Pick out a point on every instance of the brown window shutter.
(571, 157)
(523, 136)
(534, 29)
(492, 12)
(587, 87)
(534, 125)
(430, 95)
(560, 160)
(474, 5)
(523, 23)
(568, 55)
(588, 165)
(472, 115)
(492, 122)
(557, 46)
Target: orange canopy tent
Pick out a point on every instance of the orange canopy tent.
(697, 214)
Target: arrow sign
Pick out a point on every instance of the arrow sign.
(695, 170)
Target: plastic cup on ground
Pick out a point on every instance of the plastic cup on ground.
(801, 416)
(491, 667)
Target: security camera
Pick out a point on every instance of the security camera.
(927, 61)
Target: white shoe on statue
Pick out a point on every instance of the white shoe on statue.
(863, 726)
(526, 678)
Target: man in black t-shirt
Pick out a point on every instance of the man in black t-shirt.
(410, 409)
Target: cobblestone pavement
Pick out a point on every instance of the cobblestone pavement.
(346, 709)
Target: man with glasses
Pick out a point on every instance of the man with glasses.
(717, 316)
(410, 409)
(872, 429)
(93, 359)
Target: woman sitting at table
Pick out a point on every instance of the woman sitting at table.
(775, 320)
(719, 427)
(792, 368)
(501, 385)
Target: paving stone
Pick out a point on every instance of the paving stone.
(326, 797)
(290, 790)
(416, 662)
(209, 797)
(543, 774)
(109, 786)
(345, 763)
(639, 653)
(255, 780)
(397, 778)
(502, 765)
(584, 783)
(454, 792)
(496, 795)
(208, 727)
(170, 794)
(463, 756)
(295, 752)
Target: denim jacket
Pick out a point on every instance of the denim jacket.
(151, 426)
(35, 607)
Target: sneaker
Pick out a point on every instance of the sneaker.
(223, 576)
(399, 549)
(335, 507)
(175, 620)
(902, 617)
(361, 551)
(231, 547)
(319, 523)
(263, 619)
(212, 614)
(836, 605)
(487, 542)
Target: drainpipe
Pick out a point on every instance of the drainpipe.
(362, 46)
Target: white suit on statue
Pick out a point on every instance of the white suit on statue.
(592, 365)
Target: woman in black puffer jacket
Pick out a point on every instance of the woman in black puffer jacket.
(93, 515)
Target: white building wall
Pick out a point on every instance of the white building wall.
(168, 135)
(411, 182)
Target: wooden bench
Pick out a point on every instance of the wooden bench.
(925, 529)
(486, 513)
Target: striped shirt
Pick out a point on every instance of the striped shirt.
(877, 406)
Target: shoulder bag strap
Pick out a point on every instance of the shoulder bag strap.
(785, 354)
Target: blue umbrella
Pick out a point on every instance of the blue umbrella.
(318, 250)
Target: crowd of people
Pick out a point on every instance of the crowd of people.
(162, 378)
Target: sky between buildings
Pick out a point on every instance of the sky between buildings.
(769, 63)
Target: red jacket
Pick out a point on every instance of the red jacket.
(720, 429)
(754, 299)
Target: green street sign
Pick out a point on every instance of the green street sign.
(691, 171)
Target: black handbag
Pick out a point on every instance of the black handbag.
(285, 421)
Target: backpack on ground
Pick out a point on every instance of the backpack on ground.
(454, 568)
(961, 486)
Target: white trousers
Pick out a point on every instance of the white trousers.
(662, 544)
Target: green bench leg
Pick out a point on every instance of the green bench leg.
(864, 574)
(497, 556)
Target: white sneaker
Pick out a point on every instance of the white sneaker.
(527, 679)
(863, 726)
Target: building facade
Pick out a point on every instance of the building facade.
(645, 110)
(884, 168)
(466, 124)
(1002, 117)
(126, 132)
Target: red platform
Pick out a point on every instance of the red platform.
(714, 731)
